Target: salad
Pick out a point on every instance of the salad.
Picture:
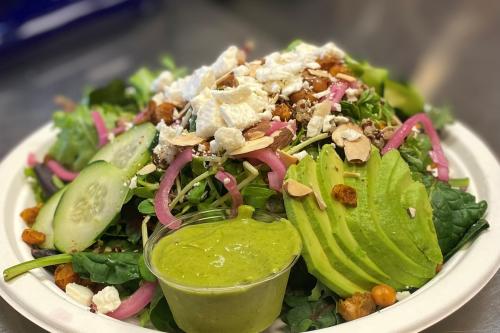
(350, 156)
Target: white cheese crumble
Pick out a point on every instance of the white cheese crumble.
(401, 295)
(300, 155)
(164, 150)
(228, 139)
(350, 135)
(240, 116)
(201, 78)
(314, 126)
(226, 62)
(107, 300)
(162, 81)
(352, 94)
(133, 183)
(79, 293)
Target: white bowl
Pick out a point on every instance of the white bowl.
(36, 297)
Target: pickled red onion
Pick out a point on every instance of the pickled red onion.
(31, 161)
(231, 186)
(270, 158)
(161, 200)
(136, 302)
(60, 171)
(436, 154)
(100, 126)
(337, 91)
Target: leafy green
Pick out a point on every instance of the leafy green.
(469, 236)
(169, 63)
(403, 97)
(160, 315)
(109, 268)
(142, 81)
(369, 105)
(293, 44)
(440, 117)
(415, 151)
(454, 214)
(114, 93)
(257, 195)
(146, 207)
(317, 310)
(372, 76)
(198, 193)
(30, 174)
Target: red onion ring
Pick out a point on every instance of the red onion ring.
(136, 302)
(231, 186)
(100, 126)
(60, 171)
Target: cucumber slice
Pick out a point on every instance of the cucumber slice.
(129, 151)
(43, 222)
(88, 206)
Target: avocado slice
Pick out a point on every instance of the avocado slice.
(330, 169)
(393, 180)
(320, 222)
(313, 253)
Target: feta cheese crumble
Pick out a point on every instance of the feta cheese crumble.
(107, 300)
(79, 293)
(228, 139)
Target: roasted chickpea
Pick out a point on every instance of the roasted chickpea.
(357, 306)
(64, 274)
(319, 84)
(384, 295)
(33, 237)
(29, 214)
(302, 94)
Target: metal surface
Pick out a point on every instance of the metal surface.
(448, 48)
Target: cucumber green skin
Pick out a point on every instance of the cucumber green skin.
(43, 222)
(315, 257)
(330, 170)
(129, 151)
(73, 233)
(320, 223)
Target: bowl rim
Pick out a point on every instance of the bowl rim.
(35, 296)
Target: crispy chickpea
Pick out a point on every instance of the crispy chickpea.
(384, 295)
(29, 214)
(357, 306)
(338, 68)
(33, 237)
(283, 111)
(64, 274)
(165, 112)
(302, 94)
(319, 84)
(345, 194)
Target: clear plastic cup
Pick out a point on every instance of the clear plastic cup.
(248, 308)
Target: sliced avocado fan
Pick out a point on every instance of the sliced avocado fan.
(387, 238)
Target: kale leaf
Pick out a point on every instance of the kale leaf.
(455, 214)
(109, 268)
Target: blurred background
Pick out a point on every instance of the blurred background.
(449, 49)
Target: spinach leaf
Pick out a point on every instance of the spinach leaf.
(160, 315)
(257, 195)
(455, 213)
(198, 193)
(109, 268)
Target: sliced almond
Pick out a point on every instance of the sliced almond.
(345, 77)
(323, 109)
(296, 189)
(358, 151)
(253, 135)
(337, 135)
(287, 158)
(319, 200)
(282, 138)
(184, 140)
(318, 72)
(254, 145)
(147, 169)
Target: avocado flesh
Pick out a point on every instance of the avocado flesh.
(320, 223)
(315, 257)
(330, 170)
(389, 185)
(424, 249)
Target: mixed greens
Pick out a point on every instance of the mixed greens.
(350, 156)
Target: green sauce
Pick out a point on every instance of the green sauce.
(226, 253)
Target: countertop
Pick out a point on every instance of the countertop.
(449, 49)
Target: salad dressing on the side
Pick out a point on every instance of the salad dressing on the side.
(226, 253)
